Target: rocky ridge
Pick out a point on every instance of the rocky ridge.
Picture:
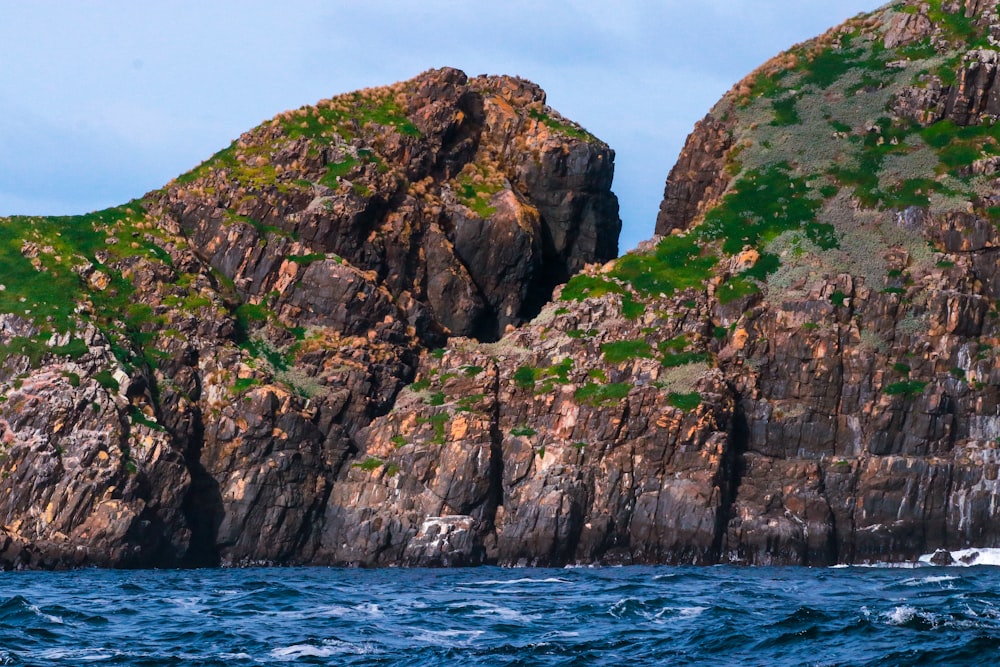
(800, 368)
(185, 377)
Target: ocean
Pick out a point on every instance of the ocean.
(489, 616)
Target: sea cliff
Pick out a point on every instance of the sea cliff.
(391, 329)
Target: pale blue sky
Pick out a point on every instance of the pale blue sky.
(102, 101)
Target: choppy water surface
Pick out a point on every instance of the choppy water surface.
(633, 616)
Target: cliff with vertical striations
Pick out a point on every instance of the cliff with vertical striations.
(343, 339)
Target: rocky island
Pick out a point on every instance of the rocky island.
(392, 329)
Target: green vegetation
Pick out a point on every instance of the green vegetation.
(438, 422)
(525, 376)
(342, 118)
(565, 128)
(908, 388)
(370, 464)
(956, 25)
(137, 417)
(678, 262)
(631, 308)
(241, 385)
(785, 112)
(625, 350)
(337, 170)
(685, 402)
(762, 205)
(602, 395)
(106, 380)
(523, 432)
(582, 286)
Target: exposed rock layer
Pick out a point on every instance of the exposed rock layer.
(232, 332)
(801, 369)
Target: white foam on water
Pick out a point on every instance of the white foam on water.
(969, 557)
(78, 654)
(618, 609)
(327, 648)
(505, 613)
(902, 614)
(296, 651)
(524, 580)
(920, 581)
(691, 612)
(48, 617)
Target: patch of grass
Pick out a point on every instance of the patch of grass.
(370, 464)
(525, 377)
(137, 417)
(686, 402)
(523, 432)
(631, 308)
(908, 388)
(582, 286)
(438, 422)
(241, 385)
(677, 263)
(566, 128)
(106, 380)
(762, 205)
(602, 395)
(673, 360)
(785, 112)
(617, 352)
(307, 259)
(36, 349)
(337, 170)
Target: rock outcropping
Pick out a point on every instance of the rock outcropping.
(185, 377)
(801, 369)
(296, 353)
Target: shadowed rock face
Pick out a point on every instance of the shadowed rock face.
(801, 368)
(185, 376)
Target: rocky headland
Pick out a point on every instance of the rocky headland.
(390, 329)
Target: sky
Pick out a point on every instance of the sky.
(105, 100)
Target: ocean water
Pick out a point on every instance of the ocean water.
(489, 616)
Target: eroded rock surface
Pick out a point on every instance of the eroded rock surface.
(185, 377)
(293, 354)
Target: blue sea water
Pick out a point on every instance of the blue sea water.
(489, 616)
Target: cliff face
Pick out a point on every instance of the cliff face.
(801, 369)
(185, 377)
(293, 354)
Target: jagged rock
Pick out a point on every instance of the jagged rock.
(942, 557)
(801, 368)
(195, 398)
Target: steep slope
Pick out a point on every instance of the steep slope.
(184, 377)
(802, 368)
